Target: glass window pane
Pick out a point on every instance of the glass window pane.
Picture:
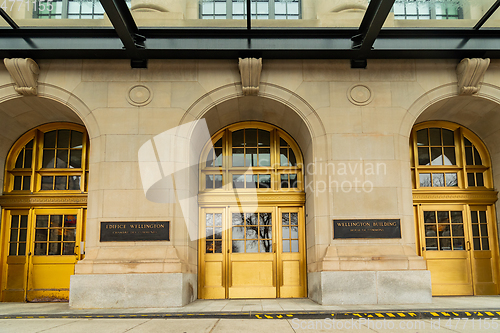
(264, 157)
(456, 217)
(18, 183)
(40, 249)
(209, 232)
(294, 233)
(295, 246)
(482, 216)
(47, 182)
(467, 143)
(438, 179)
(479, 179)
(48, 158)
(75, 159)
(448, 138)
(76, 139)
(29, 144)
(218, 246)
(218, 157)
(22, 235)
(21, 249)
(28, 156)
(285, 218)
(425, 180)
(292, 159)
(264, 181)
(19, 161)
(210, 157)
(265, 219)
(250, 137)
(449, 156)
(24, 221)
(436, 156)
(451, 179)
(13, 249)
(13, 235)
(252, 233)
(286, 232)
(63, 137)
(68, 248)
(41, 235)
(430, 230)
(435, 136)
(238, 219)
(238, 246)
(238, 157)
(423, 156)
(265, 232)
(286, 246)
(443, 217)
(49, 139)
(468, 156)
(55, 235)
(266, 246)
(264, 138)
(209, 181)
(209, 220)
(283, 157)
(238, 233)
(238, 138)
(74, 183)
(293, 180)
(458, 244)
(470, 179)
(26, 183)
(217, 233)
(56, 221)
(61, 183)
(477, 158)
(42, 221)
(218, 181)
(477, 244)
(457, 230)
(251, 157)
(475, 230)
(486, 244)
(54, 248)
(445, 244)
(14, 223)
(294, 218)
(429, 217)
(251, 181)
(422, 139)
(484, 230)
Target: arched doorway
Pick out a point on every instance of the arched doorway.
(252, 226)
(43, 212)
(454, 209)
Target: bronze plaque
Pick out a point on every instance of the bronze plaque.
(135, 231)
(380, 228)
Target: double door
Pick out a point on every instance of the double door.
(252, 252)
(39, 252)
(460, 246)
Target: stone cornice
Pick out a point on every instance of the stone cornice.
(39, 200)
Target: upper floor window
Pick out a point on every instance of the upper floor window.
(70, 9)
(261, 9)
(427, 9)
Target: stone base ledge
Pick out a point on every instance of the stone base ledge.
(108, 291)
(370, 287)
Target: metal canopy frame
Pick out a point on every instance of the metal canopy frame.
(126, 41)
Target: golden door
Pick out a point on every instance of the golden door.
(40, 249)
(458, 244)
(252, 252)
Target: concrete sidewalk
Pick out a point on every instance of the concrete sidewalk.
(476, 314)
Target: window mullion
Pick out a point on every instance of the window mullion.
(65, 9)
(229, 9)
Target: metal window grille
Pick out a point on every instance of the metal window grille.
(261, 9)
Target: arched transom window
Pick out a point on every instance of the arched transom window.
(448, 156)
(50, 158)
(251, 155)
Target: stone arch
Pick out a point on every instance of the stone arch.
(278, 106)
(22, 113)
(479, 113)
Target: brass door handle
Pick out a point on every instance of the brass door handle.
(468, 246)
(274, 247)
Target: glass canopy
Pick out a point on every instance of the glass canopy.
(355, 29)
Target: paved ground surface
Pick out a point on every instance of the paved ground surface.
(444, 314)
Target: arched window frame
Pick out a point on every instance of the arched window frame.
(276, 170)
(460, 168)
(36, 171)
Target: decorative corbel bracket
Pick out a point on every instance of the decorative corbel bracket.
(250, 69)
(470, 74)
(24, 72)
